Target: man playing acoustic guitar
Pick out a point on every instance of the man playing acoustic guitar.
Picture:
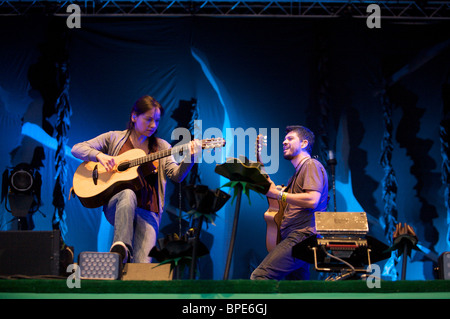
(134, 213)
(306, 193)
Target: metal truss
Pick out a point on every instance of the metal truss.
(415, 10)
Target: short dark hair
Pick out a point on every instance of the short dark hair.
(304, 134)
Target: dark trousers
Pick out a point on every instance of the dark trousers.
(279, 263)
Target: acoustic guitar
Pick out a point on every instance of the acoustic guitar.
(274, 213)
(94, 186)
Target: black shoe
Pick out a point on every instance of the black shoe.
(120, 248)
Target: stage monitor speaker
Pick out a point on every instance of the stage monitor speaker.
(29, 253)
(444, 265)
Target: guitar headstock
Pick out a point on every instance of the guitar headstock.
(213, 143)
(261, 141)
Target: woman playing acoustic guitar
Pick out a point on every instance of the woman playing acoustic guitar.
(135, 211)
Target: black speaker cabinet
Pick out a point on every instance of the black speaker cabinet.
(29, 253)
(444, 266)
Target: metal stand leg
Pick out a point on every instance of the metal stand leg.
(195, 248)
(238, 189)
(404, 261)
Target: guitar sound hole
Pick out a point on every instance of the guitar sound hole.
(123, 166)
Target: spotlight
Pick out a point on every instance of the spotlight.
(21, 180)
(21, 186)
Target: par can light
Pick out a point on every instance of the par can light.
(100, 266)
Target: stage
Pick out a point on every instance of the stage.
(362, 90)
(222, 289)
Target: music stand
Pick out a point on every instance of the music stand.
(241, 172)
(342, 246)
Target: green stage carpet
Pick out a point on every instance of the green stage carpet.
(210, 289)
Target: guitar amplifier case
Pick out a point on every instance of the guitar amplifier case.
(29, 253)
(341, 223)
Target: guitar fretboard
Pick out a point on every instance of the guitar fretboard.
(154, 156)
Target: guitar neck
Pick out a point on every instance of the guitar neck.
(260, 142)
(155, 156)
(206, 143)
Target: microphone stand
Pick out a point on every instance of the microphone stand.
(332, 164)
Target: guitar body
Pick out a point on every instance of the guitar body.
(97, 192)
(273, 217)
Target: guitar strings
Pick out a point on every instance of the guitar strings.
(169, 151)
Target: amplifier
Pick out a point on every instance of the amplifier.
(29, 253)
(341, 223)
(343, 247)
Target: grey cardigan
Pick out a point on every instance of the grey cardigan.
(111, 142)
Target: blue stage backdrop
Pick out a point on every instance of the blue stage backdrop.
(330, 75)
